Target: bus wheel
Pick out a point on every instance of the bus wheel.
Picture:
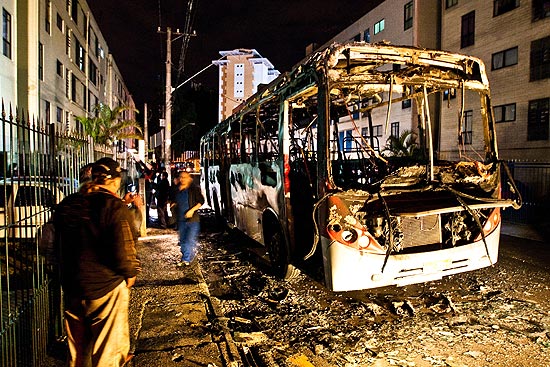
(278, 257)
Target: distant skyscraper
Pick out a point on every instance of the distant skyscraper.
(240, 73)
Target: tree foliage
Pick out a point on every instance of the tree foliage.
(108, 125)
(403, 146)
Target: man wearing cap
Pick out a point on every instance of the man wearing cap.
(96, 243)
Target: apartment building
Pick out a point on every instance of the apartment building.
(399, 22)
(55, 63)
(512, 37)
(78, 71)
(241, 71)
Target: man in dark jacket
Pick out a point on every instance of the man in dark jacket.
(188, 199)
(96, 243)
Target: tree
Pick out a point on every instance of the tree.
(108, 125)
(403, 146)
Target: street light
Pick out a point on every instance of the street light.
(183, 127)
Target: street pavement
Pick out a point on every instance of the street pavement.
(173, 319)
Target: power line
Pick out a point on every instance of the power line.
(187, 34)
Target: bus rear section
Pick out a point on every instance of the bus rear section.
(407, 174)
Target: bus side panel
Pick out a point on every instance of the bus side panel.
(212, 188)
(254, 190)
(349, 269)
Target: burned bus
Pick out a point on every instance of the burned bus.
(303, 167)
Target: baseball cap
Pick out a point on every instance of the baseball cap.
(106, 168)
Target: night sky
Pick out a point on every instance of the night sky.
(278, 30)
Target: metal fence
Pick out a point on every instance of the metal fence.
(38, 167)
(533, 182)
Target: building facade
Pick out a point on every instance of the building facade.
(512, 37)
(55, 63)
(240, 73)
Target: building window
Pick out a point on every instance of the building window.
(40, 61)
(6, 33)
(68, 83)
(92, 72)
(59, 23)
(540, 59)
(541, 9)
(357, 37)
(504, 58)
(366, 35)
(59, 68)
(537, 120)
(68, 41)
(348, 141)
(377, 130)
(59, 115)
(408, 15)
(48, 112)
(395, 129)
(450, 3)
(364, 131)
(48, 16)
(505, 112)
(468, 29)
(238, 87)
(80, 55)
(467, 127)
(379, 26)
(74, 10)
(504, 6)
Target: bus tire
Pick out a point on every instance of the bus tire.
(278, 257)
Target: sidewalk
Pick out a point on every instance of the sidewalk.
(173, 319)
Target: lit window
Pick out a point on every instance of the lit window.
(379, 26)
(505, 58)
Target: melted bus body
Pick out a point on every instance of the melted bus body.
(283, 170)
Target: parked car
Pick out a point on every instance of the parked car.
(25, 205)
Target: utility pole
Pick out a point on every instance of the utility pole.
(168, 100)
(168, 104)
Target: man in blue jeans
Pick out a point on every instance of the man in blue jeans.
(189, 199)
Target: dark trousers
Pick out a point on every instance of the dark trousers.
(162, 214)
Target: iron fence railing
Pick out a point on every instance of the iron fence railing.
(39, 166)
(533, 183)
